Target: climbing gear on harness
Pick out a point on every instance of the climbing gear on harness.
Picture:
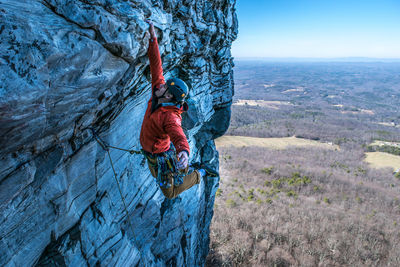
(107, 147)
(178, 88)
(165, 163)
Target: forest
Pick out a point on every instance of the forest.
(310, 206)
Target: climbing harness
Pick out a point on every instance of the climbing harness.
(165, 163)
(107, 147)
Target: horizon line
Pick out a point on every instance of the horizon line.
(340, 59)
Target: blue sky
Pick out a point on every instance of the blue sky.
(318, 28)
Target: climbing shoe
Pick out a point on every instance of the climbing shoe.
(202, 172)
(204, 169)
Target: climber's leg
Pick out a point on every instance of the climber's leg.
(188, 181)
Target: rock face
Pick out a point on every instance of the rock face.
(66, 66)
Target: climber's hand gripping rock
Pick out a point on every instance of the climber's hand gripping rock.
(183, 158)
(151, 29)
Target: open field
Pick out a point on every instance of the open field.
(383, 160)
(261, 103)
(274, 143)
(376, 159)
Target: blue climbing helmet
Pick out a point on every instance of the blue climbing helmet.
(178, 89)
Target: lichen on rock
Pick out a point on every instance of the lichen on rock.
(67, 66)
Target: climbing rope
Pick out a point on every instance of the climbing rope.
(107, 147)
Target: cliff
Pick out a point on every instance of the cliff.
(67, 66)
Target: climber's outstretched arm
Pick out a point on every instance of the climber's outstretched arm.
(156, 70)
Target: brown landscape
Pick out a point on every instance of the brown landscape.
(314, 182)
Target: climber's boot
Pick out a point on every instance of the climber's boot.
(204, 170)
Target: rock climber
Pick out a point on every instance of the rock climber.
(162, 138)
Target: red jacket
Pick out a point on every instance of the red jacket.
(161, 125)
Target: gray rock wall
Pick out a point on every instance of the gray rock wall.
(69, 65)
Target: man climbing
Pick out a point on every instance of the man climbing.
(168, 162)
